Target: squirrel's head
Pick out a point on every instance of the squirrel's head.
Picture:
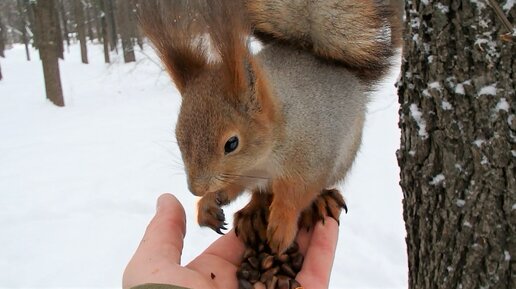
(225, 126)
(222, 136)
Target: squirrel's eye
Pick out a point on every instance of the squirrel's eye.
(231, 145)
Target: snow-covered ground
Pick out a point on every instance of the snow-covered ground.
(78, 184)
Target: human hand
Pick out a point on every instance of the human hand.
(158, 257)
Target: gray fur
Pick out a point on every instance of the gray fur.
(323, 107)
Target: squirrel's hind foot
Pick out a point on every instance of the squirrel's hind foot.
(251, 222)
(329, 204)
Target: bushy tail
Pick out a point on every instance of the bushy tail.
(355, 33)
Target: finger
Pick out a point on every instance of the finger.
(303, 240)
(319, 257)
(166, 231)
(227, 247)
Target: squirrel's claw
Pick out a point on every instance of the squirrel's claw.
(329, 203)
(211, 215)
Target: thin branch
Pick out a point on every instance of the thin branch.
(501, 16)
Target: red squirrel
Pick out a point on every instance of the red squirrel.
(285, 123)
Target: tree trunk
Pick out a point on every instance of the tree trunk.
(81, 30)
(109, 6)
(46, 19)
(124, 19)
(104, 29)
(64, 20)
(458, 146)
(3, 36)
(32, 23)
(98, 24)
(59, 34)
(23, 27)
(89, 21)
(135, 29)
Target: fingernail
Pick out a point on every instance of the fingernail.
(159, 204)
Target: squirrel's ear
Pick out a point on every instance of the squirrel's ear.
(229, 32)
(175, 31)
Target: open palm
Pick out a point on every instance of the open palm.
(157, 259)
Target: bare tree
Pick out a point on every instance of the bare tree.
(45, 14)
(135, 28)
(3, 36)
(109, 6)
(59, 34)
(89, 20)
(458, 145)
(104, 29)
(80, 29)
(64, 21)
(22, 12)
(127, 25)
(97, 18)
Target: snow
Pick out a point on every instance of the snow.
(480, 4)
(460, 203)
(443, 8)
(507, 256)
(79, 183)
(437, 180)
(479, 142)
(445, 105)
(502, 105)
(435, 85)
(508, 5)
(488, 90)
(417, 115)
(459, 89)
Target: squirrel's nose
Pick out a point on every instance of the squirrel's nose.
(196, 190)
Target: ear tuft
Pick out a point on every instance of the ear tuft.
(176, 33)
(229, 32)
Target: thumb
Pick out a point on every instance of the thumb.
(166, 231)
(161, 243)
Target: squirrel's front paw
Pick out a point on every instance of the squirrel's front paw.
(210, 214)
(282, 229)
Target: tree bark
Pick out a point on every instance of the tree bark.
(46, 21)
(89, 21)
(135, 29)
(109, 6)
(23, 27)
(458, 146)
(3, 36)
(124, 19)
(64, 22)
(59, 35)
(104, 29)
(98, 24)
(81, 30)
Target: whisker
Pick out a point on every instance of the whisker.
(246, 177)
(224, 180)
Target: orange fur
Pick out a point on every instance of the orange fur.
(234, 97)
(291, 197)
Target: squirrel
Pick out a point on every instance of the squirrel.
(285, 123)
